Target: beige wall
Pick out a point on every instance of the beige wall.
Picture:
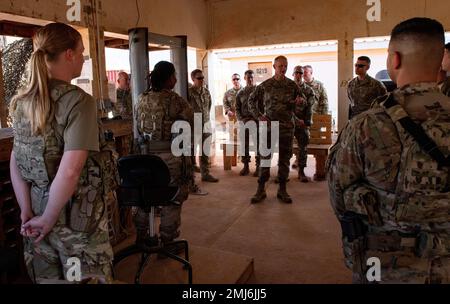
(168, 17)
(212, 24)
(236, 23)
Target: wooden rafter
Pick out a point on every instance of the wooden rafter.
(10, 28)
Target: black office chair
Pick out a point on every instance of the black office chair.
(145, 184)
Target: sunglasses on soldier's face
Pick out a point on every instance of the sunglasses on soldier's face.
(301, 73)
(360, 65)
(199, 78)
(236, 79)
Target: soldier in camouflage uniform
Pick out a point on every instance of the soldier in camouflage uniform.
(60, 173)
(229, 104)
(200, 100)
(321, 105)
(124, 105)
(445, 85)
(156, 112)
(244, 115)
(274, 100)
(229, 99)
(388, 173)
(363, 89)
(303, 115)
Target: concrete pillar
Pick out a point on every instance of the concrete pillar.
(345, 74)
(3, 109)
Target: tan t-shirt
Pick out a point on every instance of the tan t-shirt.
(76, 116)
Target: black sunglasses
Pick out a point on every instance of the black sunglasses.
(236, 79)
(360, 65)
(301, 73)
(200, 78)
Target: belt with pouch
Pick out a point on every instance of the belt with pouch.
(422, 244)
(159, 146)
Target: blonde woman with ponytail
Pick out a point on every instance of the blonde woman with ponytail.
(55, 165)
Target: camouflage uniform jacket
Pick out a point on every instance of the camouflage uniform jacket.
(83, 223)
(321, 105)
(362, 93)
(275, 99)
(174, 105)
(242, 108)
(200, 101)
(304, 111)
(445, 87)
(229, 100)
(374, 156)
(174, 108)
(124, 104)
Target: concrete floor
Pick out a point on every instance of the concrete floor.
(233, 241)
(290, 244)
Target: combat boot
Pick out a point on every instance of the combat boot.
(194, 189)
(277, 180)
(245, 171)
(256, 173)
(209, 178)
(302, 176)
(260, 194)
(283, 195)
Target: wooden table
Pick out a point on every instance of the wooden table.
(123, 134)
(229, 161)
(320, 153)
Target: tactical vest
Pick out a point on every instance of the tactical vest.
(423, 184)
(38, 159)
(155, 132)
(154, 122)
(413, 222)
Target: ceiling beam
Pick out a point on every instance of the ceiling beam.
(9, 28)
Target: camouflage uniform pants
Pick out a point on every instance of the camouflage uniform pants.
(302, 136)
(48, 259)
(284, 157)
(246, 158)
(170, 215)
(204, 159)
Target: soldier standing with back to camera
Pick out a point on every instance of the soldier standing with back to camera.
(157, 110)
(388, 173)
(61, 166)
